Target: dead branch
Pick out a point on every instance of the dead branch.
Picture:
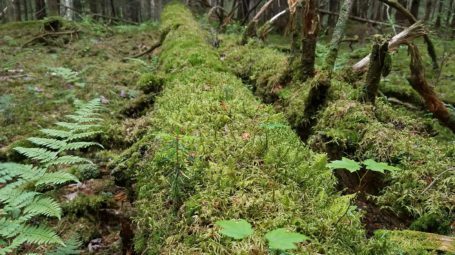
(251, 27)
(359, 19)
(404, 37)
(430, 47)
(420, 84)
(51, 34)
(157, 44)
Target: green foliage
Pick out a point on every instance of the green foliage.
(237, 229)
(283, 240)
(71, 247)
(20, 206)
(353, 166)
(68, 75)
(345, 163)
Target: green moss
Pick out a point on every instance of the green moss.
(213, 151)
(150, 83)
(83, 204)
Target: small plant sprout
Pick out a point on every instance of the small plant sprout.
(345, 163)
(282, 240)
(237, 229)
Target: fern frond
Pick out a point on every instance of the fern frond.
(9, 171)
(10, 228)
(83, 119)
(43, 206)
(19, 199)
(69, 160)
(39, 154)
(56, 133)
(84, 135)
(80, 145)
(47, 142)
(76, 126)
(56, 178)
(37, 235)
(71, 248)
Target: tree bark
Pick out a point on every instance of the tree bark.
(428, 5)
(420, 84)
(310, 31)
(53, 7)
(337, 36)
(415, 6)
(40, 9)
(17, 10)
(379, 66)
(430, 47)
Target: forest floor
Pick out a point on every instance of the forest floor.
(39, 83)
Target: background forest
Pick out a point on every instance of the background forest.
(227, 127)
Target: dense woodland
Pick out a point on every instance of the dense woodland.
(227, 127)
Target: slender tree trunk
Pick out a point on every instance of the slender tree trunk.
(420, 84)
(310, 31)
(25, 5)
(40, 9)
(333, 7)
(296, 30)
(53, 7)
(428, 7)
(415, 6)
(438, 22)
(17, 10)
(337, 36)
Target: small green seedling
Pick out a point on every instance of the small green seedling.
(354, 166)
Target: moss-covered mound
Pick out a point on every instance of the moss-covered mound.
(215, 152)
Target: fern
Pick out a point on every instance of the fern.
(71, 247)
(20, 202)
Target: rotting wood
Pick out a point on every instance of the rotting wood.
(51, 34)
(420, 84)
(379, 66)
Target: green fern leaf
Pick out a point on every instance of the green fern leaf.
(83, 119)
(69, 160)
(56, 178)
(43, 206)
(8, 171)
(39, 154)
(56, 133)
(20, 199)
(37, 235)
(76, 126)
(71, 248)
(84, 135)
(9, 228)
(80, 145)
(48, 142)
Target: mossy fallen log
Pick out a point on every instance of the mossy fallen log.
(213, 152)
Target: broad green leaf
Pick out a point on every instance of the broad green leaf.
(345, 163)
(372, 165)
(281, 239)
(237, 229)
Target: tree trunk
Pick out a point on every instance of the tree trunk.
(438, 22)
(337, 36)
(310, 31)
(53, 7)
(333, 7)
(17, 10)
(428, 7)
(40, 9)
(415, 6)
(379, 66)
(25, 5)
(296, 30)
(420, 84)
(400, 17)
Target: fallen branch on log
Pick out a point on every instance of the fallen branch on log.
(360, 19)
(405, 37)
(155, 45)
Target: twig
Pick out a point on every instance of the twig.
(436, 178)
(156, 44)
(51, 34)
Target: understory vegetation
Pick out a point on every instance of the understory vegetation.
(172, 138)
